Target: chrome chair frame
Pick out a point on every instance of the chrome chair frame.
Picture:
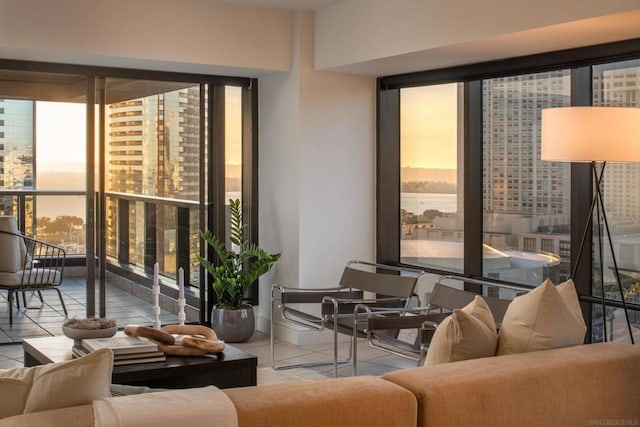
(41, 269)
(336, 307)
(425, 319)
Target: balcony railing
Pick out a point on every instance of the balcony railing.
(140, 230)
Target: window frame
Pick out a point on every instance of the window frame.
(579, 61)
(211, 215)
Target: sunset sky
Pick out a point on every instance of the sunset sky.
(428, 127)
(60, 136)
(428, 130)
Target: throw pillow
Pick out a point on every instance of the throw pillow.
(10, 261)
(76, 382)
(567, 291)
(546, 317)
(469, 333)
(15, 385)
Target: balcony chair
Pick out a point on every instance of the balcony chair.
(27, 264)
(333, 308)
(424, 320)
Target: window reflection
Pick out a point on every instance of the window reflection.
(153, 153)
(526, 201)
(618, 85)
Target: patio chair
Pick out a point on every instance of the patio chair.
(424, 320)
(27, 264)
(333, 308)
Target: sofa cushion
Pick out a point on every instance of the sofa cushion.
(76, 382)
(571, 386)
(546, 317)
(34, 276)
(189, 407)
(56, 385)
(355, 401)
(75, 416)
(469, 333)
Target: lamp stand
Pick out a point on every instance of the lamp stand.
(597, 205)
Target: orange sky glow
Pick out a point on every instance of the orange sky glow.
(428, 126)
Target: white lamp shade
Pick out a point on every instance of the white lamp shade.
(587, 134)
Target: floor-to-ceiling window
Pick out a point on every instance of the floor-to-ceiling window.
(522, 217)
(152, 156)
(127, 166)
(431, 195)
(526, 204)
(42, 149)
(617, 84)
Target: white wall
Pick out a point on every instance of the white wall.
(186, 35)
(317, 165)
(316, 129)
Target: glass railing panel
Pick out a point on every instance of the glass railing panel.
(167, 234)
(616, 324)
(60, 220)
(136, 233)
(194, 245)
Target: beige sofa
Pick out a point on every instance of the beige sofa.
(597, 384)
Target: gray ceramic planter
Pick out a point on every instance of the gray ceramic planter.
(233, 325)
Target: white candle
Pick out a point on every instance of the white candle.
(180, 283)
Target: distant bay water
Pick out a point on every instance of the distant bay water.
(417, 203)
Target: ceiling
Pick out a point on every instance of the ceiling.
(568, 35)
(285, 4)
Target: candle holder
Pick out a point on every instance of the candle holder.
(156, 296)
(156, 307)
(181, 314)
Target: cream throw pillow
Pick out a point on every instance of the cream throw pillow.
(76, 382)
(11, 258)
(546, 317)
(56, 385)
(15, 385)
(469, 333)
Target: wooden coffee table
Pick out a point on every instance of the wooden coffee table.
(232, 368)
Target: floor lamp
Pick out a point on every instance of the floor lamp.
(596, 135)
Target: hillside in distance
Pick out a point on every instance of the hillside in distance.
(408, 174)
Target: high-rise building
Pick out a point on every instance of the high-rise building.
(618, 85)
(17, 130)
(515, 180)
(17, 133)
(152, 150)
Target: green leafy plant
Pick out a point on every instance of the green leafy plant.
(238, 267)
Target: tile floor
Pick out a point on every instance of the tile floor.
(128, 309)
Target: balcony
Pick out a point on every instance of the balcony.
(139, 232)
(45, 319)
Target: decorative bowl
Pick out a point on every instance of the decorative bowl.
(81, 334)
(89, 327)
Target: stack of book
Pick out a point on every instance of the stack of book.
(126, 350)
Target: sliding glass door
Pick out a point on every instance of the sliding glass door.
(125, 167)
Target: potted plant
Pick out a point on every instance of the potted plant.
(237, 268)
